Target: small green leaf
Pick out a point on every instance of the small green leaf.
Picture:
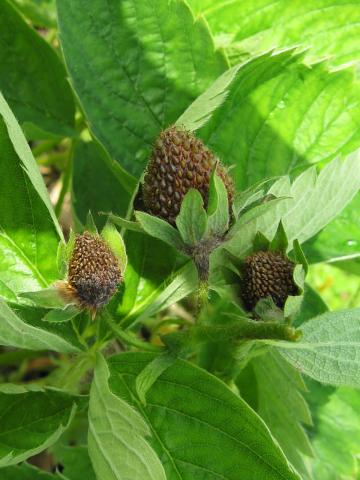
(218, 207)
(15, 332)
(90, 223)
(46, 298)
(200, 111)
(158, 228)
(147, 377)
(200, 410)
(117, 444)
(116, 243)
(61, 315)
(34, 79)
(280, 242)
(125, 224)
(192, 219)
(328, 348)
(28, 431)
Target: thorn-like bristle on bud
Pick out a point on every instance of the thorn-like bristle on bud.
(179, 162)
(93, 274)
(267, 274)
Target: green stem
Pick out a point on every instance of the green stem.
(127, 338)
(245, 329)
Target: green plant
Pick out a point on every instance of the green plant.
(159, 328)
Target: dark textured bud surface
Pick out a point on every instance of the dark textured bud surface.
(179, 162)
(94, 271)
(267, 274)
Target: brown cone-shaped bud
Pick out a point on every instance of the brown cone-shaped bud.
(93, 274)
(267, 274)
(179, 162)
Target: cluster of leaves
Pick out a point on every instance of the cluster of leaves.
(199, 390)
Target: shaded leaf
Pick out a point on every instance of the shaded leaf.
(27, 431)
(126, 68)
(33, 79)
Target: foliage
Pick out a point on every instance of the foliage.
(175, 378)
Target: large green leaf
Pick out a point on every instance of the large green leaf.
(138, 66)
(317, 199)
(304, 207)
(98, 183)
(33, 79)
(117, 445)
(209, 432)
(279, 402)
(336, 436)
(328, 349)
(329, 27)
(24, 329)
(29, 231)
(282, 115)
(340, 239)
(31, 420)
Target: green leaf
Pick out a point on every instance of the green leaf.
(204, 419)
(218, 207)
(125, 224)
(116, 243)
(29, 230)
(27, 431)
(99, 184)
(15, 332)
(200, 111)
(340, 239)
(117, 435)
(75, 461)
(328, 348)
(329, 27)
(34, 79)
(279, 402)
(127, 78)
(284, 116)
(27, 472)
(317, 199)
(192, 219)
(336, 436)
(159, 228)
(46, 298)
(59, 315)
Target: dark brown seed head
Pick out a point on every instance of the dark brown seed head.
(94, 272)
(179, 161)
(267, 274)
